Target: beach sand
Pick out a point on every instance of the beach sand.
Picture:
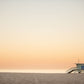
(41, 78)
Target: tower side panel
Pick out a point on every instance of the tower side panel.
(82, 67)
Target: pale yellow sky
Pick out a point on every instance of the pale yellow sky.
(41, 34)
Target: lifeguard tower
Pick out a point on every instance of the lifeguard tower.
(79, 68)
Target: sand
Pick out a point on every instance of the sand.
(41, 78)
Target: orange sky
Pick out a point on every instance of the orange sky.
(41, 34)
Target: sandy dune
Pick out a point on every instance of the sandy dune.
(37, 78)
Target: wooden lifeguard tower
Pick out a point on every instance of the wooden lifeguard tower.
(79, 68)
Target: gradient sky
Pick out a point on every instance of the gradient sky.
(41, 34)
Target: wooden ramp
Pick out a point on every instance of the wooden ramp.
(73, 69)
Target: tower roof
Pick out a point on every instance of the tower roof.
(79, 63)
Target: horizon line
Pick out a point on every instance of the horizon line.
(32, 71)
